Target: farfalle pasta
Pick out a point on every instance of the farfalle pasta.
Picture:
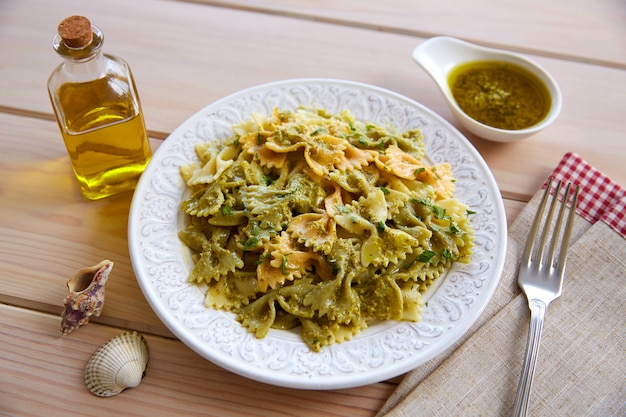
(320, 221)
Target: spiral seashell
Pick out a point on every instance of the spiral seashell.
(86, 296)
(118, 364)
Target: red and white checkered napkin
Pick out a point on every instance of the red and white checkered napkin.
(599, 198)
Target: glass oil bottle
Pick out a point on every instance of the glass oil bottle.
(97, 108)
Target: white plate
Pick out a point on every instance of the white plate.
(384, 350)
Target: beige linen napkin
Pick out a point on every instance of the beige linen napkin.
(581, 370)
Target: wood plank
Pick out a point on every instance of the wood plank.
(42, 375)
(577, 30)
(179, 72)
(513, 209)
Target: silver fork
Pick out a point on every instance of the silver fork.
(541, 279)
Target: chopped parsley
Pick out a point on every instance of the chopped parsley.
(440, 213)
(319, 131)
(250, 243)
(455, 230)
(227, 211)
(283, 265)
(267, 180)
(262, 259)
(255, 229)
(426, 256)
(446, 255)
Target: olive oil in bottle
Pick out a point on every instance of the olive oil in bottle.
(98, 111)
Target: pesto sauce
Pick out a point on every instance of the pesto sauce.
(499, 94)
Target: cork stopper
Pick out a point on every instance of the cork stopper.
(75, 31)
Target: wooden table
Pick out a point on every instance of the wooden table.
(186, 54)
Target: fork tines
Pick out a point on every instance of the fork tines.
(548, 258)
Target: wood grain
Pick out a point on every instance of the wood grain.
(187, 54)
(225, 50)
(555, 28)
(42, 375)
(48, 230)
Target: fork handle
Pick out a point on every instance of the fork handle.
(537, 314)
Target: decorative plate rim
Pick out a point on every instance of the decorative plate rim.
(384, 350)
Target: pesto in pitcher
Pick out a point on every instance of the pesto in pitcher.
(499, 94)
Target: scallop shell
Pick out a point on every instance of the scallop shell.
(86, 296)
(118, 364)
